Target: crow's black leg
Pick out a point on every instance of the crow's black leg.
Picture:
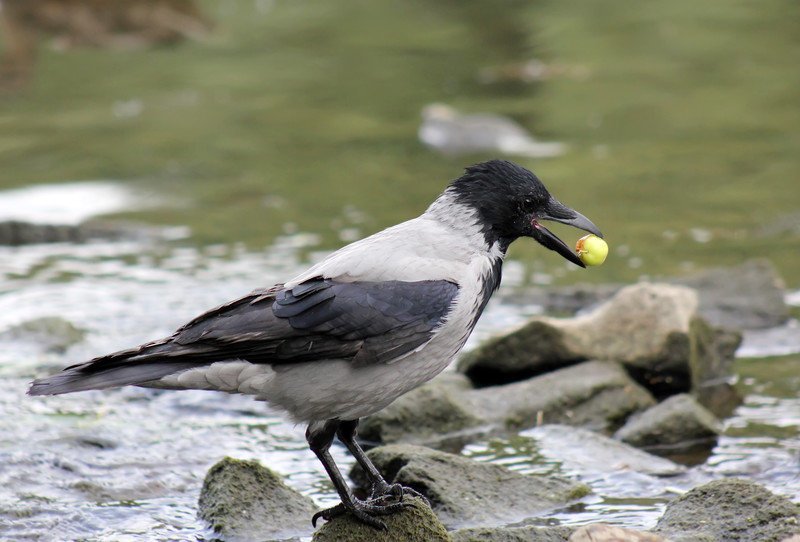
(319, 437)
(379, 488)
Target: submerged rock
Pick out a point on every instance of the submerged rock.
(50, 333)
(730, 510)
(245, 500)
(466, 492)
(529, 533)
(677, 425)
(417, 523)
(589, 451)
(600, 532)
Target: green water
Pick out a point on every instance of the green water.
(682, 115)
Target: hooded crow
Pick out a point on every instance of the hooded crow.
(353, 333)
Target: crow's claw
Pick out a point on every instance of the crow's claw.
(362, 511)
(380, 493)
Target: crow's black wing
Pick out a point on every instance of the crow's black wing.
(323, 319)
(319, 319)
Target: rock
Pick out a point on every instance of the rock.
(645, 326)
(677, 425)
(244, 500)
(596, 394)
(608, 533)
(431, 414)
(652, 328)
(582, 450)
(50, 333)
(537, 347)
(416, 523)
(529, 533)
(730, 510)
(465, 492)
(15, 232)
(748, 296)
(711, 367)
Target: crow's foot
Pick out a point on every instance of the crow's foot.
(382, 491)
(363, 511)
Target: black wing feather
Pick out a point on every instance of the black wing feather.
(365, 322)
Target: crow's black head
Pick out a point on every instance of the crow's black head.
(510, 202)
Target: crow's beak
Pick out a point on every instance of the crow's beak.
(558, 212)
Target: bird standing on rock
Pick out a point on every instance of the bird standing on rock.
(353, 333)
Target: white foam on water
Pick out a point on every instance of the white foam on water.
(66, 203)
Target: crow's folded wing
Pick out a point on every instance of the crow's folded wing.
(367, 322)
(319, 319)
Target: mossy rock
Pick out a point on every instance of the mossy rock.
(245, 500)
(416, 523)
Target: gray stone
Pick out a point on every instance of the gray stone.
(595, 394)
(643, 325)
(711, 358)
(747, 296)
(15, 232)
(591, 452)
(730, 510)
(431, 414)
(244, 500)
(677, 425)
(600, 532)
(416, 523)
(528, 533)
(464, 492)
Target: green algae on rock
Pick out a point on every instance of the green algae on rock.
(416, 523)
(245, 500)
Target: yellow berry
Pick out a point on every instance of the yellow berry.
(591, 249)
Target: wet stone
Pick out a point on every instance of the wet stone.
(594, 394)
(730, 510)
(464, 492)
(591, 451)
(677, 425)
(417, 523)
(430, 414)
(242, 500)
(645, 326)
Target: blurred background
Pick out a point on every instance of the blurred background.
(680, 120)
(160, 157)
